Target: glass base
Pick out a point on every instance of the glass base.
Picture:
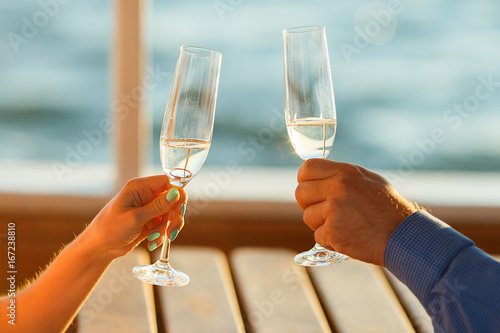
(161, 274)
(319, 256)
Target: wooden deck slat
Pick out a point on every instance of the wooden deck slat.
(276, 293)
(120, 303)
(416, 312)
(357, 298)
(208, 303)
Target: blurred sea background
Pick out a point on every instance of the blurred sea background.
(391, 94)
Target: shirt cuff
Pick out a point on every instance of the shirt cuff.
(420, 250)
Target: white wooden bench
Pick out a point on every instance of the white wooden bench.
(254, 290)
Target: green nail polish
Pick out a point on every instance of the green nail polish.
(152, 246)
(183, 210)
(153, 236)
(172, 194)
(174, 234)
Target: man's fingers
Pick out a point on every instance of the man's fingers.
(321, 236)
(314, 216)
(316, 169)
(309, 193)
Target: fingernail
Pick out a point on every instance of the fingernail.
(174, 234)
(152, 246)
(172, 194)
(183, 210)
(153, 236)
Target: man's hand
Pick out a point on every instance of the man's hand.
(352, 210)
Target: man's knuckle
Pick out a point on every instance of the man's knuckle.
(307, 216)
(330, 207)
(299, 190)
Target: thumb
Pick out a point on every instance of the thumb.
(159, 206)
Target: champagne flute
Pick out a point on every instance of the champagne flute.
(185, 139)
(310, 110)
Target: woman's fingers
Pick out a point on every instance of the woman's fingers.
(177, 217)
(171, 222)
(160, 205)
(157, 234)
(174, 227)
(140, 191)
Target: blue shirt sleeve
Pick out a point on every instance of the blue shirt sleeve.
(456, 282)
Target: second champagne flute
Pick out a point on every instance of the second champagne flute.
(185, 139)
(310, 110)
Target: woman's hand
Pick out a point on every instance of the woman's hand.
(142, 208)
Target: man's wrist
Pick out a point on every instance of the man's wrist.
(420, 250)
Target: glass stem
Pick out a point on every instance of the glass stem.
(165, 249)
(324, 139)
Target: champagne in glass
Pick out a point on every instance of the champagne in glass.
(310, 113)
(183, 158)
(185, 139)
(312, 137)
